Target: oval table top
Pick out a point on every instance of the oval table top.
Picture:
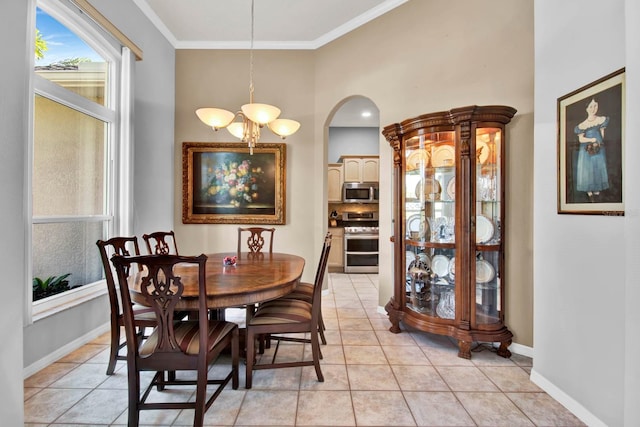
(251, 280)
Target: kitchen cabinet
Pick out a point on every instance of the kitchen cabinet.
(448, 232)
(336, 255)
(360, 168)
(335, 178)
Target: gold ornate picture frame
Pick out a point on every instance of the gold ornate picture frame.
(591, 139)
(223, 184)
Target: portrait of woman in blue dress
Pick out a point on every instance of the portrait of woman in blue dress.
(591, 170)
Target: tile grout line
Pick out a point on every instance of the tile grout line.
(362, 290)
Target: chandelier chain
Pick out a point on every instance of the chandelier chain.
(251, 56)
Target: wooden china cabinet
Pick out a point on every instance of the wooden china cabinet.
(448, 234)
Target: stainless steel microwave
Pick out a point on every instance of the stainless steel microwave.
(360, 192)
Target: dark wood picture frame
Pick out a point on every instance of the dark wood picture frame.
(591, 123)
(223, 184)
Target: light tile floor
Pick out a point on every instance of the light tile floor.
(372, 378)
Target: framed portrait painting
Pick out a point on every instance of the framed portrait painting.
(224, 183)
(591, 148)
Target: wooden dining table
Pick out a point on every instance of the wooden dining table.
(251, 280)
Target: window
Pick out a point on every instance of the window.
(78, 149)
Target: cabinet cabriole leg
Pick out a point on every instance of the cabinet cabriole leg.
(395, 327)
(464, 349)
(503, 349)
(394, 317)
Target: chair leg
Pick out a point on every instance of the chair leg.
(264, 341)
(250, 357)
(235, 358)
(250, 309)
(134, 396)
(201, 394)
(321, 329)
(115, 347)
(315, 350)
(161, 381)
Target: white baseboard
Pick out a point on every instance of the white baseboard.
(64, 350)
(522, 350)
(565, 400)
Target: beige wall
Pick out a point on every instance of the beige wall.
(208, 78)
(419, 58)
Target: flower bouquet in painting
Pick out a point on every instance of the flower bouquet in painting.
(234, 182)
(592, 148)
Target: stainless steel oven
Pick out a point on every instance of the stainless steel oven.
(360, 242)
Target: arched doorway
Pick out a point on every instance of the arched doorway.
(354, 128)
(353, 146)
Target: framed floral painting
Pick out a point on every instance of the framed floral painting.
(591, 148)
(223, 183)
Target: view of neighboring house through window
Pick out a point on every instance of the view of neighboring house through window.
(74, 138)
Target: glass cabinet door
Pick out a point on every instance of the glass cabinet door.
(429, 209)
(488, 236)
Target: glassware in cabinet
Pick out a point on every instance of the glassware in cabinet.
(430, 274)
(488, 303)
(488, 195)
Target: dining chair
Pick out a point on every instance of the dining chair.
(161, 243)
(289, 316)
(255, 243)
(174, 345)
(143, 316)
(304, 292)
(256, 239)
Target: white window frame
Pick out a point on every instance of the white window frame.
(117, 114)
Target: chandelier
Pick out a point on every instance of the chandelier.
(251, 117)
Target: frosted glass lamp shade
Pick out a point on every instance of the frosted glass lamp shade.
(260, 113)
(217, 118)
(236, 129)
(284, 127)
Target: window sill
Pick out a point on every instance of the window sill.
(58, 303)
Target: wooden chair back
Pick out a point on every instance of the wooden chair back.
(162, 290)
(256, 239)
(161, 243)
(124, 246)
(319, 279)
(175, 344)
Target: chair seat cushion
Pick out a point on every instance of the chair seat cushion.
(141, 312)
(187, 335)
(303, 291)
(282, 310)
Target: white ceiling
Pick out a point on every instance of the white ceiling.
(350, 114)
(278, 24)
